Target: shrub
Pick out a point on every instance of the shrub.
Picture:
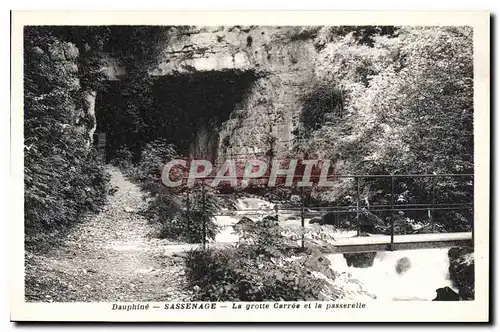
(60, 188)
(188, 224)
(229, 275)
(63, 177)
(123, 158)
(257, 269)
(168, 207)
(369, 116)
(154, 156)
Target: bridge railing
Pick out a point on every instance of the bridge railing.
(394, 198)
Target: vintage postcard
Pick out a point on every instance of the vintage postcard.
(260, 166)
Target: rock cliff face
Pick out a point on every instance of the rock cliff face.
(281, 60)
(64, 57)
(258, 48)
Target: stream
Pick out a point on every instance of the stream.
(409, 275)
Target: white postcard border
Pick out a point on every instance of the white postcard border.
(377, 310)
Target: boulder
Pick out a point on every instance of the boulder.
(403, 265)
(243, 224)
(330, 218)
(318, 262)
(446, 294)
(461, 271)
(316, 220)
(367, 228)
(360, 260)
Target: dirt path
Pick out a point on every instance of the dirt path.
(109, 257)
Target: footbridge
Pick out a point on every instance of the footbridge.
(301, 216)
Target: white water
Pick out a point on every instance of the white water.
(428, 269)
(428, 272)
(243, 204)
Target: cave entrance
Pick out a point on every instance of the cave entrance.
(186, 110)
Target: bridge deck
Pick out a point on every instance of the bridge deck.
(401, 242)
(367, 243)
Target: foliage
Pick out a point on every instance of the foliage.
(138, 47)
(168, 207)
(360, 260)
(322, 106)
(362, 35)
(130, 115)
(256, 270)
(90, 41)
(154, 156)
(407, 109)
(262, 237)
(64, 179)
(123, 158)
(461, 271)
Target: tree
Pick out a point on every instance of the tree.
(408, 109)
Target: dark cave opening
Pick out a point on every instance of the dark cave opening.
(186, 110)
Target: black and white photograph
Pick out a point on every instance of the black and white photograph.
(251, 167)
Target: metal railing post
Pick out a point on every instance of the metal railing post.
(433, 202)
(357, 206)
(188, 214)
(392, 212)
(302, 215)
(473, 228)
(337, 217)
(276, 208)
(203, 213)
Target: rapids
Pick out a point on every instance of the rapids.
(423, 270)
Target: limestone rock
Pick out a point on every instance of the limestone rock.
(275, 60)
(362, 260)
(446, 294)
(330, 218)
